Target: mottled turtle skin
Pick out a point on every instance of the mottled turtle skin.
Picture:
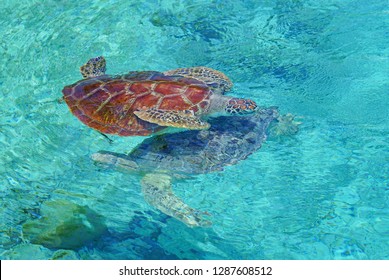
(229, 140)
(142, 103)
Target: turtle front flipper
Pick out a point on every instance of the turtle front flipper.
(180, 119)
(157, 191)
(94, 67)
(211, 77)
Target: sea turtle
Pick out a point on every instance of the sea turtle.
(163, 157)
(141, 103)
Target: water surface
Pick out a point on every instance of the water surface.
(322, 194)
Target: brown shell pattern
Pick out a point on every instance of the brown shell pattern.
(107, 103)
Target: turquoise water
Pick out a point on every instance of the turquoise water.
(322, 194)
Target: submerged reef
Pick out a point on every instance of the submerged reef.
(64, 225)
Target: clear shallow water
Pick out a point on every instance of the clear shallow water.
(323, 194)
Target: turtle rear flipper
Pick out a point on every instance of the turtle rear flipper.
(94, 67)
(157, 191)
(180, 119)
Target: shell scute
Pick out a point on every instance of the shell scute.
(196, 94)
(116, 110)
(121, 99)
(140, 88)
(91, 102)
(80, 115)
(148, 100)
(79, 89)
(71, 101)
(170, 88)
(67, 91)
(176, 103)
(115, 86)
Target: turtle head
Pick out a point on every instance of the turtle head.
(238, 106)
(94, 67)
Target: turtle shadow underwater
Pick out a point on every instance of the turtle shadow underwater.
(167, 157)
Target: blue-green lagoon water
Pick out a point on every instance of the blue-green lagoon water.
(321, 194)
